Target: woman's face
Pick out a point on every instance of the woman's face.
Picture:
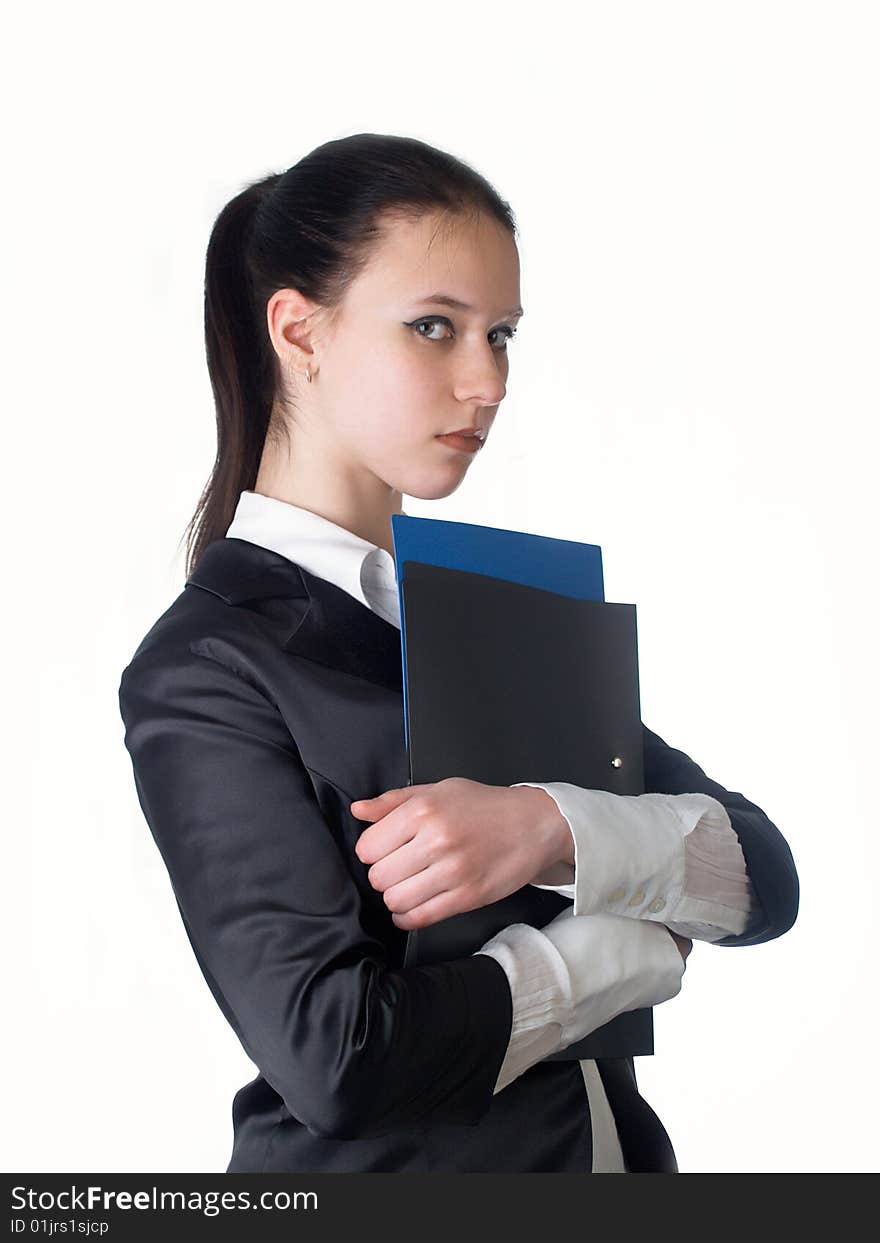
(397, 367)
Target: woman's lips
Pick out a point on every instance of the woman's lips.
(464, 444)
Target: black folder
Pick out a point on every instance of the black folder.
(505, 683)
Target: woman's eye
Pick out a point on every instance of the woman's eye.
(422, 323)
(509, 333)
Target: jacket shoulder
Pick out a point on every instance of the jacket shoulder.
(239, 591)
(195, 624)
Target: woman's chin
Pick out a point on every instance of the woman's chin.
(436, 485)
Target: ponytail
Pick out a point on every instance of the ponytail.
(241, 366)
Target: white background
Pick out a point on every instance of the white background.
(694, 387)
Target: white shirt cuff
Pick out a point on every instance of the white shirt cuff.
(540, 991)
(575, 975)
(673, 858)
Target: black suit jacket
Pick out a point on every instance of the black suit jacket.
(257, 707)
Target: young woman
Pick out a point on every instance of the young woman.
(358, 309)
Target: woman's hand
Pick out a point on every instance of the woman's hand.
(685, 944)
(451, 846)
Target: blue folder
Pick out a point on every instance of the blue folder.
(571, 568)
(459, 582)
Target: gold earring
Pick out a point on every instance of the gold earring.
(308, 373)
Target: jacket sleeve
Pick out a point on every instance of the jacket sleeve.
(768, 858)
(265, 889)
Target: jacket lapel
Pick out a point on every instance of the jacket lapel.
(328, 625)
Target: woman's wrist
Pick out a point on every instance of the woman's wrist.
(553, 836)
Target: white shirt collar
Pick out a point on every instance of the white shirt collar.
(321, 547)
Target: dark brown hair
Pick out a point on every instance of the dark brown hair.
(312, 228)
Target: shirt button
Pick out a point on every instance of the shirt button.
(657, 905)
(638, 896)
(617, 895)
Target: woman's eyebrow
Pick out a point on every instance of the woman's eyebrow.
(446, 299)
